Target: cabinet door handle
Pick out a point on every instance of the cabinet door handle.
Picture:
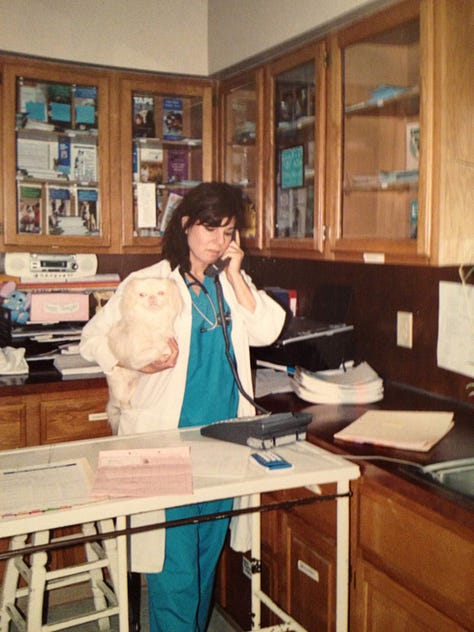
(308, 570)
(97, 416)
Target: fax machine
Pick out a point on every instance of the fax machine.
(323, 340)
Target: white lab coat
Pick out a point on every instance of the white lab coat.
(156, 402)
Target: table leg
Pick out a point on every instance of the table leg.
(342, 557)
(256, 577)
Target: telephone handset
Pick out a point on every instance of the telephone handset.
(213, 269)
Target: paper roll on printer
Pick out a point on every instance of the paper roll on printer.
(323, 340)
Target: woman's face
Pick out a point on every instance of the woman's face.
(208, 243)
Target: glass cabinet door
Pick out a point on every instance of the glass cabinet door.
(241, 101)
(55, 185)
(166, 150)
(298, 123)
(381, 134)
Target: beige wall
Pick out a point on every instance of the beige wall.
(179, 36)
(239, 29)
(157, 35)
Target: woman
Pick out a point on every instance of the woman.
(194, 384)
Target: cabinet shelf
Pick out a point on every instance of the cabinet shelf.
(51, 181)
(160, 142)
(285, 127)
(403, 104)
(396, 187)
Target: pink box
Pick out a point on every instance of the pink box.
(48, 307)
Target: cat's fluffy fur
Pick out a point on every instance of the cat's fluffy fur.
(148, 308)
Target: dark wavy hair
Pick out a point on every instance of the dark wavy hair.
(208, 203)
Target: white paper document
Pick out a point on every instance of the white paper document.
(403, 429)
(40, 488)
(269, 381)
(456, 328)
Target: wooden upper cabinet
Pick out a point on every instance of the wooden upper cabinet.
(166, 148)
(241, 158)
(399, 167)
(296, 142)
(55, 137)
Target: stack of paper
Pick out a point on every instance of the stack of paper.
(354, 385)
(74, 364)
(404, 429)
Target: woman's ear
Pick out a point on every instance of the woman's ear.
(184, 221)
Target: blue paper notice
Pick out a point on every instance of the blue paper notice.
(292, 167)
(60, 112)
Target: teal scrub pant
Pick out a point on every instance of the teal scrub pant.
(179, 598)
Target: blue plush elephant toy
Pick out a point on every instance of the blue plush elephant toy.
(18, 303)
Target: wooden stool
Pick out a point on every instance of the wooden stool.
(32, 569)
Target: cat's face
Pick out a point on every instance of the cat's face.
(151, 295)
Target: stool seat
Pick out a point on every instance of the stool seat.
(27, 581)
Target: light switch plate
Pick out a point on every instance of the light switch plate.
(405, 329)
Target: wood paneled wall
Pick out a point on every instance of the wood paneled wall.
(379, 291)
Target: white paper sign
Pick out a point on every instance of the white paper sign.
(456, 328)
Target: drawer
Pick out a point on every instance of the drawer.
(72, 418)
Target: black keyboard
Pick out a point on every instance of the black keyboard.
(261, 431)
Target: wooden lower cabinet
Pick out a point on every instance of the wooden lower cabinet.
(13, 429)
(66, 418)
(298, 565)
(53, 416)
(384, 604)
(411, 561)
(415, 565)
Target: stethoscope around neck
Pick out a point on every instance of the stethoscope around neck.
(221, 316)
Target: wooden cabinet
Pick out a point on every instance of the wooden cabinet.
(66, 418)
(241, 159)
(365, 150)
(166, 148)
(54, 416)
(399, 165)
(414, 568)
(13, 429)
(298, 564)
(411, 560)
(55, 143)
(388, 605)
(93, 158)
(53, 413)
(297, 129)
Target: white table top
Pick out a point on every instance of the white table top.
(220, 470)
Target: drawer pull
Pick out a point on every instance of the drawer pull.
(97, 416)
(312, 573)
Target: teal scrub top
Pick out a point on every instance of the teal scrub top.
(211, 392)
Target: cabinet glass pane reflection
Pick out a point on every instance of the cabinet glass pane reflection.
(167, 156)
(381, 92)
(294, 102)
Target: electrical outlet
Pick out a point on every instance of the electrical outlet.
(405, 329)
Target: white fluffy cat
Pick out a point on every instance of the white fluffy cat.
(148, 308)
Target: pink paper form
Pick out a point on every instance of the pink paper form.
(144, 472)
